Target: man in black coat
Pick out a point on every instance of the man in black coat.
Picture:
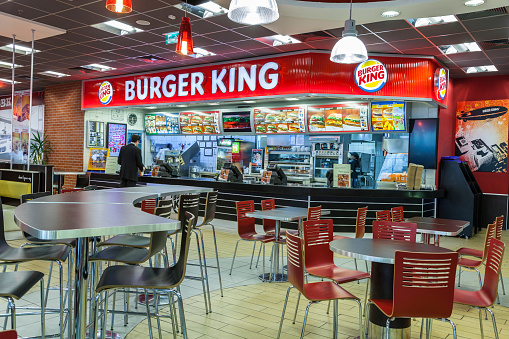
(130, 162)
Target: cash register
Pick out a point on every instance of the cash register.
(278, 176)
(167, 170)
(234, 174)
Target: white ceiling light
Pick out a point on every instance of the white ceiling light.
(460, 48)
(390, 14)
(9, 81)
(200, 53)
(421, 22)
(253, 12)
(474, 3)
(480, 69)
(98, 67)
(8, 65)
(119, 28)
(54, 74)
(19, 49)
(349, 49)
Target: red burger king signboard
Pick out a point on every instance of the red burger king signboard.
(285, 75)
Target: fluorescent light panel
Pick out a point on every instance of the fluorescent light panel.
(98, 67)
(54, 74)
(460, 48)
(420, 22)
(9, 81)
(8, 65)
(19, 49)
(200, 53)
(117, 27)
(480, 69)
(204, 10)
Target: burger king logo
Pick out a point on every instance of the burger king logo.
(441, 83)
(105, 93)
(371, 75)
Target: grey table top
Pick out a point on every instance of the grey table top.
(69, 173)
(96, 213)
(446, 227)
(283, 214)
(379, 250)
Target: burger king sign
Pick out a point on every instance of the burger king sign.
(105, 93)
(441, 83)
(371, 75)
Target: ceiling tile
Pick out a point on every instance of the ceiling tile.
(71, 37)
(323, 44)
(411, 44)
(265, 51)
(204, 27)
(369, 39)
(381, 48)
(422, 51)
(149, 49)
(487, 23)
(337, 32)
(93, 32)
(451, 39)
(399, 35)
(127, 52)
(468, 63)
(147, 37)
(107, 56)
(498, 53)
(225, 36)
(388, 25)
(131, 20)
(46, 5)
(123, 41)
(224, 21)
(248, 44)
(83, 16)
(492, 34)
(21, 10)
(203, 41)
(83, 49)
(222, 49)
(255, 31)
(442, 29)
(163, 13)
(59, 21)
(467, 56)
(102, 45)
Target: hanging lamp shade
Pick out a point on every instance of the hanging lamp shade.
(349, 49)
(119, 6)
(185, 39)
(253, 12)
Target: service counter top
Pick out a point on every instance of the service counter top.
(342, 202)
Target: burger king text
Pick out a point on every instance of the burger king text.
(224, 80)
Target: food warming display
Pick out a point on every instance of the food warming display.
(280, 120)
(199, 122)
(294, 163)
(235, 122)
(348, 117)
(161, 124)
(388, 116)
(117, 137)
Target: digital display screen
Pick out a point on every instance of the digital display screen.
(162, 123)
(423, 142)
(280, 120)
(347, 117)
(199, 122)
(117, 138)
(387, 116)
(237, 122)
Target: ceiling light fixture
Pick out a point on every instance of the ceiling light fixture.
(349, 49)
(119, 6)
(390, 14)
(54, 74)
(474, 3)
(480, 69)
(98, 67)
(9, 81)
(421, 22)
(253, 12)
(185, 37)
(19, 49)
(8, 64)
(200, 53)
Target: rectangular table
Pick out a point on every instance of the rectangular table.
(437, 227)
(281, 214)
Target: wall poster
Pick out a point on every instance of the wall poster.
(482, 134)
(97, 159)
(117, 137)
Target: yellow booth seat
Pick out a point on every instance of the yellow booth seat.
(14, 189)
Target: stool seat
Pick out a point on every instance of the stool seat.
(126, 255)
(128, 240)
(17, 284)
(49, 253)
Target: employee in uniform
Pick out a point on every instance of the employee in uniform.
(130, 162)
(162, 152)
(355, 167)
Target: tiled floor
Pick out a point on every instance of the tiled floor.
(252, 309)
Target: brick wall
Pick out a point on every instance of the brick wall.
(65, 125)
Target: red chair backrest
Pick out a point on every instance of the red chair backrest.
(492, 270)
(397, 214)
(499, 222)
(317, 234)
(383, 216)
(491, 232)
(314, 213)
(424, 284)
(10, 334)
(360, 225)
(295, 262)
(245, 224)
(269, 226)
(148, 206)
(402, 231)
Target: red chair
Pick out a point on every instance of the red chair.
(397, 214)
(149, 205)
(314, 213)
(485, 297)
(314, 292)
(402, 231)
(383, 216)
(246, 230)
(269, 225)
(11, 334)
(423, 288)
(474, 264)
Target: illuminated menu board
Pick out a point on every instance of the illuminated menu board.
(388, 116)
(199, 122)
(347, 117)
(162, 124)
(117, 137)
(280, 120)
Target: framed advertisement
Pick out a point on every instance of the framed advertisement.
(95, 135)
(388, 116)
(338, 118)
(342, 173)
(199, 122)
(97, 159)
(280, 120)
(117, 137)
(162, 124)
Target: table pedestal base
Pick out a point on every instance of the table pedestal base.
(163, 299)
(270, 277)
(107, 335)
(376, 331)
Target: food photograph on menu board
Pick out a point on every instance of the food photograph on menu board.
(347, 117)
(388, 116)
(162, 123)
(234, 122)
(117, 135)
(199, 122)
(280, 120)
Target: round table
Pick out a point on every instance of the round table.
(381, 253)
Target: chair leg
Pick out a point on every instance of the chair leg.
(263, 261)
(95, 314)
(305, 319)
(61, 277)
(156, 305)
(284, 310)
(494, 323)
(334, 319)
(366, 319)
(252, 255)
(296, 309)
(113, 310)
(234, 253)
(207, 310)
(182, 317)
(147, 305)
(480, 323)
(48, 284)
(258, 259)
(355, 262)
(12, 306)
(387, 328)
(43, 311)
(479, 275)
(428, 332)
(459, 276)
(205, 268)
(367, 267)
(360, 318)
(502, 282)
(453, 328)
(368, 284)
(217, 259)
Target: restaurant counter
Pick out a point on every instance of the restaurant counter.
(342, 203)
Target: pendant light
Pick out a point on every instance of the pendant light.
(349, 49)
(253, 12)
(185, 38)
(119, 6)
